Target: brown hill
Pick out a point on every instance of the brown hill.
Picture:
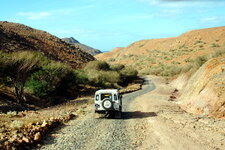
(148, 56)
(18, 37)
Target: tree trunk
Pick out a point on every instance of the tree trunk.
(19, 90)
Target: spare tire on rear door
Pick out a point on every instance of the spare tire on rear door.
(107, 104)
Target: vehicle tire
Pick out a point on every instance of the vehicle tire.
(107, 104)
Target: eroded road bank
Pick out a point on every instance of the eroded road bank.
(149, 121)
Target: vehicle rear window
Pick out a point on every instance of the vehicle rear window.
(106, 95)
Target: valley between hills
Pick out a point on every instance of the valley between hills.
(173, 89)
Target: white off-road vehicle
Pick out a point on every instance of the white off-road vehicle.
(108, 101)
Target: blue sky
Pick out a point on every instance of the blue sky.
(105, 24)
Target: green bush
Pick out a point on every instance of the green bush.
(151, 60)
(45, 81)
(127, 75)
(18, 67)
(199, 61)
(39, 88)
(197, 42)
(103, 78)
(129, 72)
(50, 80)
(188, 60)
(100, 73)
(112, 59)
(97, 65)
(218, 53)
(111, 77)
(165, 70)
(215, 45)
(117, 67)
(71, 81)
(3, 68)
(37, 74)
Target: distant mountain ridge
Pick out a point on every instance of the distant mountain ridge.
(70, 40)
(19, 37)
(82, 47)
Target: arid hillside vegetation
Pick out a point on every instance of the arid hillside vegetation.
(38, 68)
(31, 77)
(17, 37)
(169, 56)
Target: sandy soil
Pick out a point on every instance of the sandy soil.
(173, 128)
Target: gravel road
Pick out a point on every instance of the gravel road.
(104, 133)
(149, 121)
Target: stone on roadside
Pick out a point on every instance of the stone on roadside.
(25, 139)
(37, 136)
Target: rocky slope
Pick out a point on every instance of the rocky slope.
(82, 47)
(204, 93)
(70, 40)
(18, 37)
(146, 55)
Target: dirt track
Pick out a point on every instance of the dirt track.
(149, 121)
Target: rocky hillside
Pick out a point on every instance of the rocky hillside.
(82, 47)
(204, 93)
(18, 37)
(70, 40)
(154, 55)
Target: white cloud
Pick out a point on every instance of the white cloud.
(213, 19)
(183, 3)
(168, 4)
(34, 15)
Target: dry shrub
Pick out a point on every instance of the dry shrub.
(102, 74)
(97, 65)
(103, 78)
(218, 53)
(192, 65)
(11, 113)
(16, 124)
